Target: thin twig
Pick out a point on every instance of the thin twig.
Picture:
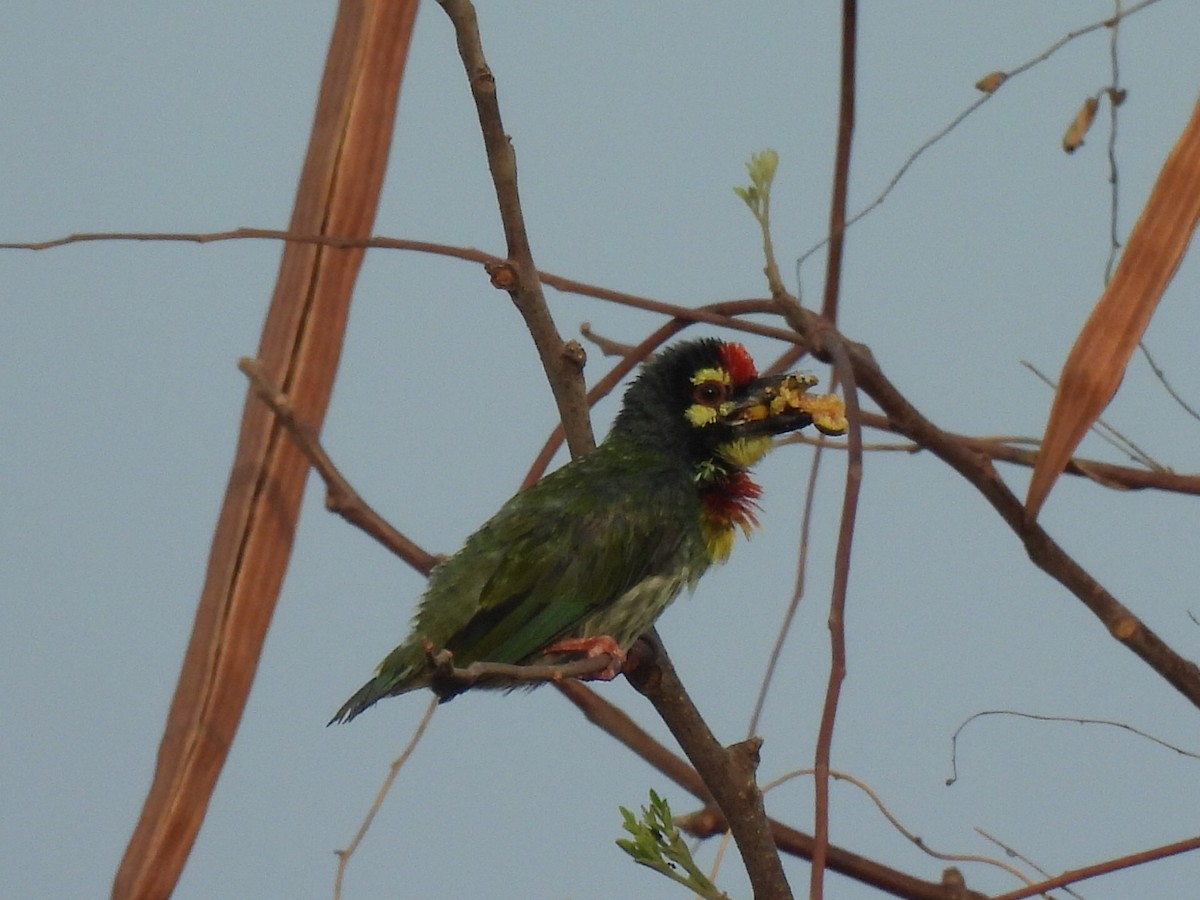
(1115, 94)
(1015, 854)
(607, 345)
(832, 344)
(1001, 448)
(844, 372)
(827, 344)
(1162, 377)
(1105, 431)
(895, 822)
(958, 119)
(841, 172)
(468, 254)
(1104, 868)
(344, 855)
(247, 233)
(785, 627)
(483, 671)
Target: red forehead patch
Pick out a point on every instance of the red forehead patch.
(738, 363)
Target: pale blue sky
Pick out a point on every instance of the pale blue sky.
(121, 401)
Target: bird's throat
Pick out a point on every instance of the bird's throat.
(729, 501)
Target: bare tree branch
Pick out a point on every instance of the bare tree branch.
(340, 496)
(1104, 868)
(1002, 449)
(518, 275)
(729, 773)
(1045, 552)
(841, 172)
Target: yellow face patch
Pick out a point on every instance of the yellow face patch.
(703, 375)
(711, 395)
(700, 415)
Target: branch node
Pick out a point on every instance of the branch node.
(746, 755)
(575, 355)
(704, 822)
(955, 884)
(483, 81)
(503, 275)
(641, 666)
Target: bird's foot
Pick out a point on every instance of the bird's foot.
(591, 647)
(441, 661)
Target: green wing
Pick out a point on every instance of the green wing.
(558, 554)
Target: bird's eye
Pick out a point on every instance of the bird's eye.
(711, 393)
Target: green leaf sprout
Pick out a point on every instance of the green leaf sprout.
(757, 197)
(657, 844)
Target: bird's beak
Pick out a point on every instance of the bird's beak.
(781, 403)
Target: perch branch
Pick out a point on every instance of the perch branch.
(583, 669)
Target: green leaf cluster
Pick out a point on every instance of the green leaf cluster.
(657, 844)
(757, 197)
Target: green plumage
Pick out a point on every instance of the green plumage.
(599, 547)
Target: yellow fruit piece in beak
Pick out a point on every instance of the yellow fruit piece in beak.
(827, 410)
(828, 413)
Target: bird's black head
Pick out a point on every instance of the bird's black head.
(703, 402)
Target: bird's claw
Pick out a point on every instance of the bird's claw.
(592, 647)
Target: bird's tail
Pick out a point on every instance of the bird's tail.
(373, 691)
(365, 696)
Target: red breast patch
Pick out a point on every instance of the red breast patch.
(731, 501)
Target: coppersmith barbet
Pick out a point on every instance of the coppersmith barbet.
(585, 560)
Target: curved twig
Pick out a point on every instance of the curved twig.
(895, 822)
(1045, 718)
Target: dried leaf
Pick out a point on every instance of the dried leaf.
(338, 194)
(989, 82)
(1078, 128)
(1097, 362)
